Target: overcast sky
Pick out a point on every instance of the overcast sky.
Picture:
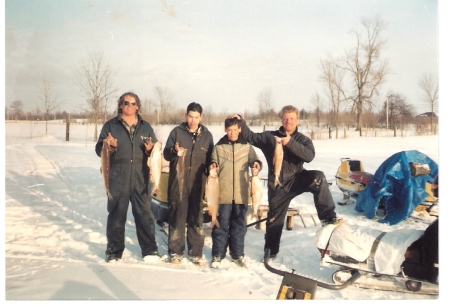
(218, 53)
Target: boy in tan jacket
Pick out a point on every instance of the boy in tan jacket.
(232, 156)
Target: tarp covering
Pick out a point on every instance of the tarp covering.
(393, 183)
(356, 242)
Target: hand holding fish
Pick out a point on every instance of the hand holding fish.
(148, 144)
(256, 168)
(286, 139)
(112, 142)
(213, 168)
(179, 150)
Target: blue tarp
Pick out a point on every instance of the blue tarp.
(394, 183)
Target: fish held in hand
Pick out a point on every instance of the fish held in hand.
(212, 191)
(256, 191)
(181, 164)
(105, 160)
(277, 160)
(155, 164)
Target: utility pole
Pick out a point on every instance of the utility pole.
(387, 114)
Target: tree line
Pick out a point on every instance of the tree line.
(350, 95)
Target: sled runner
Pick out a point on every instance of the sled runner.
(404, 260)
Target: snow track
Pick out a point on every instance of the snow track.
(55, 216)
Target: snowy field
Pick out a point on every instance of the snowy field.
(55, 221)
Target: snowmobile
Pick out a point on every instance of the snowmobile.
(380, 257)
(401, 187)
(352, 179)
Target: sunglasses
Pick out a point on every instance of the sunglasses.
(125, 103)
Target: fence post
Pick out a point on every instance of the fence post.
(67, 127)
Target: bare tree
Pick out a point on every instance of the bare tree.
(165, 101)
(147, 105)
(96, 81)
(50, 100)
(399, 111)
(365, 66)
(430, 93)
(208, 113)
(265, 103)
(333, 78)
(16, 109)
(316, 101)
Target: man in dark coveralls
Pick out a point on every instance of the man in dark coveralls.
(131, 139)
(187, 185)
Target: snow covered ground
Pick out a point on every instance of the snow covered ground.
(55, 216)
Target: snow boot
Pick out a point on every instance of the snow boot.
(198, 261)
(216, 262)
(176, 259)
(240, 261)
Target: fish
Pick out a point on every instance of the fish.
(181, 164)
(155, 164)
(212, 191)
(105, 161)
(277, 160)
(256, 190)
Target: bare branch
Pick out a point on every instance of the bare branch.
(165, 100)
(96, 81)
(49, 98)
(265, 104)
(364, 64)
(430, 92)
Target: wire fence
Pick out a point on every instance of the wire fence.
(81, 131)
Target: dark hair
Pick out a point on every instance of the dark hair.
(232, 121)
(122, 99)
(195, 107)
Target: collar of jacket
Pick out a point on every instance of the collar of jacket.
(224, 140)
(283, 132)
(200, 128)
(119, 118)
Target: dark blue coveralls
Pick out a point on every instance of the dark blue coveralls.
(128, 182)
